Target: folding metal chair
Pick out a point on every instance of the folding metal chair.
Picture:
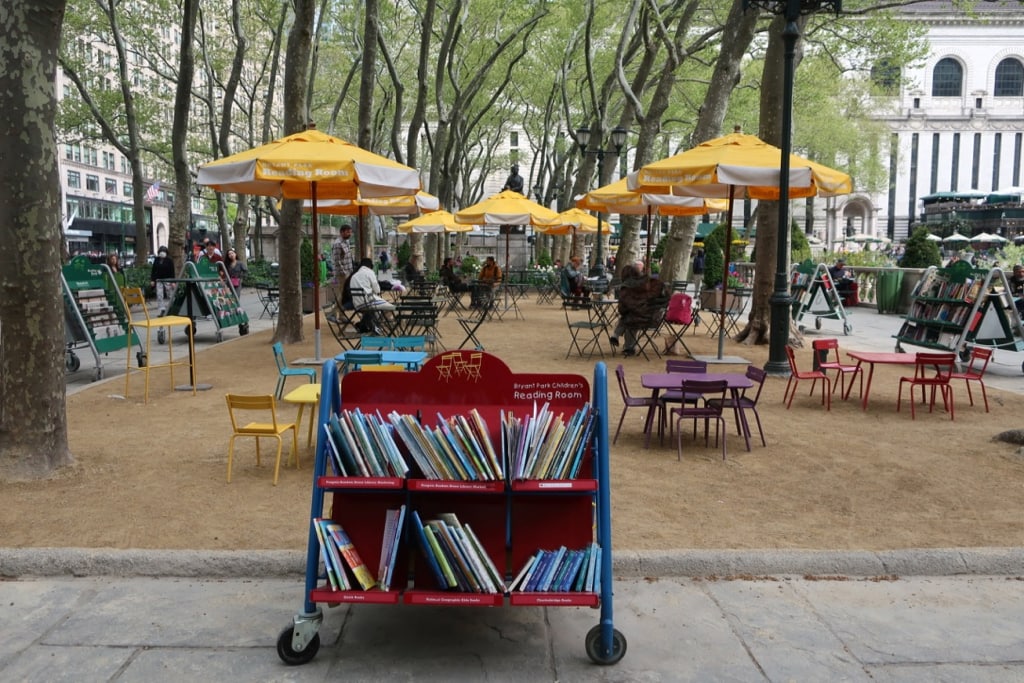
(931, 370)
(647, 337)
(714, 393)
(470, 324)
(590, 329)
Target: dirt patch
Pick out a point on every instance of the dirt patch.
(152, 476)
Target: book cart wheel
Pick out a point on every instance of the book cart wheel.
(243, 329)
(292, 657)
(72, 362)
(817, 323)
(161, 336)
(97, 375)
(220, 336)
(847, 328)
(598, 654)
(141, 358)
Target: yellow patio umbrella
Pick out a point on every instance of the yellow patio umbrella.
(310, 165)
(435, 221)
(618, 198)
(505, 208)
(570, 222)
(402, 205)
(737, 164)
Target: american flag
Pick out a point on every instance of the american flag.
(152, 191)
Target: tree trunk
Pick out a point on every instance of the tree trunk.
(181, 212)
(289, 328)
(33, 418)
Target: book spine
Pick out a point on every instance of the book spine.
(332, 577)
(351, 556)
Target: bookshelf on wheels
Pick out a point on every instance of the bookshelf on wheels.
(955, 308)
(451, 477)
(815, 294)
(94, 314)
(205, 290)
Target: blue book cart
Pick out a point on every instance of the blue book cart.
(511, 517)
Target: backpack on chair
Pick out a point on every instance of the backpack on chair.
(680, 309)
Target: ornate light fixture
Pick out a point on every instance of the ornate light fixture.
(781, 301)
(618, 139)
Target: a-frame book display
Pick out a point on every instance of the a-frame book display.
(472, 523)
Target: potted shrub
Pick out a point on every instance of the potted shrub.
(310, 271)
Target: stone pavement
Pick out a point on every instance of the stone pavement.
(913, 615)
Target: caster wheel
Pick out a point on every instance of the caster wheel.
(899, 349)
(847, 328)
(965, 355)
(72, 362)
(290, 656)
(141, 358)
(220, 336)
(161, 336)
(243, 329)
(594, 646)
(817, 323)
(98, 375)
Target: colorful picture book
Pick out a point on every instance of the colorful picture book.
(340, 556)
(542, 445)
(394, 521)
(458, 448)
(560, 571)
(456, 556)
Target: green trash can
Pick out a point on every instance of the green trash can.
(887, 291)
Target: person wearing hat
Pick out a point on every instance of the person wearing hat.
(163, 269)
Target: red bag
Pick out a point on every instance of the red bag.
(680, 309)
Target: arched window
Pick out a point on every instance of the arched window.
(947, 78)
(1009, 78)
(885, 75)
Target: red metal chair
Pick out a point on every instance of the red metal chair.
(795, 375)
(627, 400)
(931, 370)
(827, 353)
(974, 372)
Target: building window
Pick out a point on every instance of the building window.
(1009, 78)
(110, 185)
(92, 182)
(513, 139)
(126, 189)
(74, 180)
(885, 75)
(947, 78)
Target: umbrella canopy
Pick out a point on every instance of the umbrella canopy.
(402, 205)
(932, 237)
(983, 237)
(569, 221)
(310, 165)
(505, 208)
(618, 198)
(864, 239)
(435, 221)
(956, 237)
(737, 164)
(294, 165)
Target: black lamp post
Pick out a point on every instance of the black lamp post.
(538, 192)
(618, 138)
(781, 301)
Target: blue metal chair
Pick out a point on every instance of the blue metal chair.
(355, 360)
(371, 343)
(284, 372)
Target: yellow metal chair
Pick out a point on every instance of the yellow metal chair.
(264, 404)
(133, 297)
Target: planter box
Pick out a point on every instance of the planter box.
(307, 298)
(711, 299)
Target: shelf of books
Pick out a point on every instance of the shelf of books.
(212, 297)
(442, 490)
(960, 306)
(94, 314)
(814, 294)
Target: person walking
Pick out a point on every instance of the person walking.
(163, 269)
(341, 260)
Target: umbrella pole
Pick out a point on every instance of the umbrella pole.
(649, 240)
(725, 274)
(316, 277)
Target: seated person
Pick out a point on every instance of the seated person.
(573, 282)
(640, 297)
(450, 278)
(367, 296)
(489, 276)
(410, 272)
(1017, 288)
(842, 279)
